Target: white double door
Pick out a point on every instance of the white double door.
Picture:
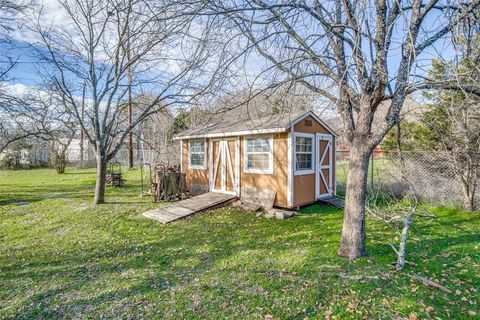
(225, 165)
(324, 166)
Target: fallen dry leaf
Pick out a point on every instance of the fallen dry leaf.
(328, 314)
(352, 306)
(430, 309)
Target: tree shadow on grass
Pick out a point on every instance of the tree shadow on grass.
(18, 202)
(38, 195)
(165, 265)
(320, 208)
(34, 193)
(186, 252)
(79, 172)
(128, 202)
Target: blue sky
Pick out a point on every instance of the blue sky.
(26, 72)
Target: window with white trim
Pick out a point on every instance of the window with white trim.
(258, 155)
(304, 153)
(197, 154)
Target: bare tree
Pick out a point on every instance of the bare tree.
(15, 120)
(154, 135)
(167, 49)
(9, 12)
(59, 152)
(59, 126)
(253, 103)
(359, 54)
(22, 117)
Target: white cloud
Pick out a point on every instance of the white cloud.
(17, 89)
(163, 62)
(52, 14)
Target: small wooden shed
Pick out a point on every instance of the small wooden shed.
(291, 154)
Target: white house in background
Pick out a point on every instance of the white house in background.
(73, 150)
(39, 152)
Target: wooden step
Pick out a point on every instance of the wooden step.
(334, 201)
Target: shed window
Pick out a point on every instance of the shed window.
(258, 155)
(197, 154)
(304, 153)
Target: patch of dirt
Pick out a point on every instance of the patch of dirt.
(19, 203)
(82, 207)
(52, 195)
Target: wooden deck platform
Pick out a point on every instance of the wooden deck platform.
(189, 206)
(334, 201)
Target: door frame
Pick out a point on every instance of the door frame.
(318, 167)
(234, 168)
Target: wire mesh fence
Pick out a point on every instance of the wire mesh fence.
(428, 174)
(168, 156)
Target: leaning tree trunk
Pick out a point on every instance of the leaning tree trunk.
(352, 243)
(99, 197)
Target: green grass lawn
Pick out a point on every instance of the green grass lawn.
(62, 258)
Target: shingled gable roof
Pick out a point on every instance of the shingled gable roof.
(267, 124)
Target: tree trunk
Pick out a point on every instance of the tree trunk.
(58, 154)
(100, 181)
(60, 167)
(352, 243)
(61, 161)
(468, 199)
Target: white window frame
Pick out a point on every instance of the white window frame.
(190, 166)
(296, 171)
(270, 154)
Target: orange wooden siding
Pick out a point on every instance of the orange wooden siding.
(303, 189)
(304, 184)
(315, 127)
(194, 176)
(278, 181)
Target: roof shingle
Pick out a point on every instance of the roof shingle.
(275, 121)
(272, 123)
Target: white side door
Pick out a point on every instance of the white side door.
(324, 166)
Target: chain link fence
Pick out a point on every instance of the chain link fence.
(428, 174)
(170, 155)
